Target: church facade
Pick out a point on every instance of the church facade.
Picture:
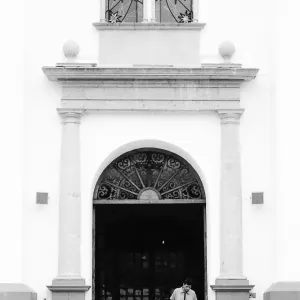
(154, 150)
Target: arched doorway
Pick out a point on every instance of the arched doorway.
(149, 227)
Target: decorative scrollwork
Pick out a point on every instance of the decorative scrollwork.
(173, 163)
(158, 157)
(103, 190)
(180, 11)
(118, 11)
(140, 157)
(124, 163)
(165, 172)
(173, 195)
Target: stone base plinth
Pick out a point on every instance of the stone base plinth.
(16, 291)
(68, 289)
(232, 289)
(287, 290)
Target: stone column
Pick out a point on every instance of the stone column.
(145, 11)
(102, 11)
(152, 11)
(69, 284)
(195, 11)
(231, 284)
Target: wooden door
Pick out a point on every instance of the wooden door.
(141, 257)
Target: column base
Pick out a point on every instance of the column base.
(68, 288)
(232, 289)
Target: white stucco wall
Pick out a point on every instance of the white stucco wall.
(11, 147)
(32, 256)
(47, 27)
(251, 27)
(288, 143)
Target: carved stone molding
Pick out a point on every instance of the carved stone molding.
(232, 288)
(232, 291)
(68, 288)
(230, 116)
(71, 116)
(148, 26)
(68, 291)
(150, 88)
(157, 73)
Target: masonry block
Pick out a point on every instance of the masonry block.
(284, 290)
(16, 291)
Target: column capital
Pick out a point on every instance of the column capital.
(230, 116)
(70, 116)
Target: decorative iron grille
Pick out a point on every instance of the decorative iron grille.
(180, 11)
(163, 173)
(118, 11)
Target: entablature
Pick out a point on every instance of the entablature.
(205, 72)
(152, 88)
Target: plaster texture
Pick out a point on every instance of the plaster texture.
(175, 47)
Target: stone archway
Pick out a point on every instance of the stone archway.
(137, 248)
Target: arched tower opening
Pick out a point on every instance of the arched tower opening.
(149, 227)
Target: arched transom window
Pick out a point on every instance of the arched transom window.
(149, 174)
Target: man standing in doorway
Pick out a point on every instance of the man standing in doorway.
(185, 292)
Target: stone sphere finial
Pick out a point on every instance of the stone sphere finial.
(227, 49)
(70, 49)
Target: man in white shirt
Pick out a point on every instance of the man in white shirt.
(185, 292)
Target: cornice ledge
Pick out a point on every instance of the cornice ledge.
(80, 73)
(232, 288)
(148, 26)
(235, 111)
(68, 288)
(74, 112)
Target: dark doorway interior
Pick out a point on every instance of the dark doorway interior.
(143, 252)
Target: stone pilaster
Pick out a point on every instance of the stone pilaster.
(195, 11)
(152, 17)
(102, 11)
(69, 284)
(145, 11)
(231, 284)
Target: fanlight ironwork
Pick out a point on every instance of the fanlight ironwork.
(152, 173)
